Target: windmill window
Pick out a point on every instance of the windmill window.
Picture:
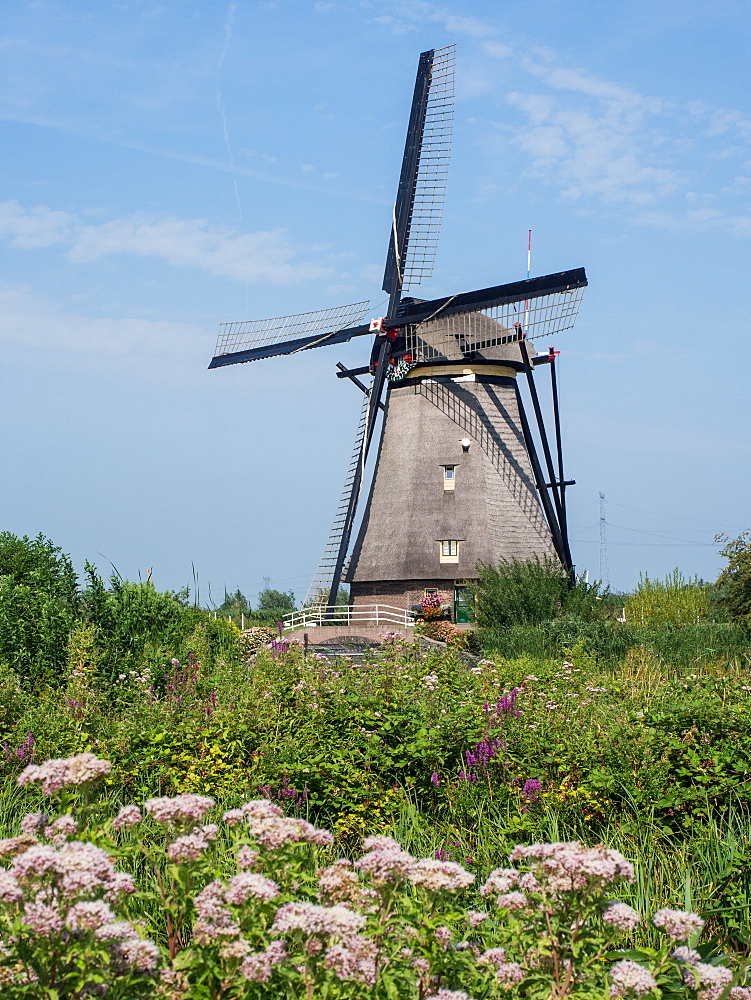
(449, 549)
(449, 477)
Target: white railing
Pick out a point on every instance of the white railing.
(348, 615)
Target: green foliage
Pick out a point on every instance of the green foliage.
(529, 592)
(276, 601)
(38, 605)
(733, 586)
(235, 606)
(128, 618)
(39, 564)
(673, 601)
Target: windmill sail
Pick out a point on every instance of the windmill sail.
(422, 183)
(268, 338)
(415, 228)
(468, 323)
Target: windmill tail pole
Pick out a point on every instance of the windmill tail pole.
(559, 452)
(374, 405)
(539, 478)
(554, 484)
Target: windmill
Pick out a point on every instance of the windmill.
(457, 479)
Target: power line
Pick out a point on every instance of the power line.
(604, 567)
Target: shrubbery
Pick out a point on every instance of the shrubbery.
(252, 903)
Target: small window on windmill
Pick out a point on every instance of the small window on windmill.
(449, 549)
(449, 477)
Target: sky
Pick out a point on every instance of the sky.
(167, 167)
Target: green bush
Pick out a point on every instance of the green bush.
(528, 593)
(39, 602)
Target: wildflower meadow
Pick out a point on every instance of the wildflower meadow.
(190, 810)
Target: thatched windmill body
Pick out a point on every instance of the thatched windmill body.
(457, 478)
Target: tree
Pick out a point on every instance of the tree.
(38, 564)
(733, 586)
(39, 603)
(234, 606)
(275, 600)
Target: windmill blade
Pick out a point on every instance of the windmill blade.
(449, 327)
(422, 182)
(267, 338)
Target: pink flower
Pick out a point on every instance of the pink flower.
(89, 916)
(508, 974)
(10, 891)
(493, 956)
(187, 848)
(621, 915)
(500, 880)
(512, 901)
(120, 884)
(565, 867)
(356, 960)
(128, 816)
(248, 884)
(476, 917)
(42, 919)
(53, 775)
(246, 858)
(258, 966)
(261, 808)
(34, 822)
(385, 861)
(678, 924)
(712, 978)
(687, 955)
(628, 976)
(63, 826)
(443, 936)
(317, 919)
(233, 816)
(139, 953)
(119, 930)
(435, 875)
(178, 807)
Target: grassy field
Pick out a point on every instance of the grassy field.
(459, 762)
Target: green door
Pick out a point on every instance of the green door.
(462, 610)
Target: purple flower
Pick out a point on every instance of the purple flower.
(530, 792)
(434, 779)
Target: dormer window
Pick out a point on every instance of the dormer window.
(449, 477)
(449, 550)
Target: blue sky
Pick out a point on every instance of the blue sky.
(169, 166)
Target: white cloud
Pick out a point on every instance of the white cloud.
(407, 14)
(160, 347)
(36, 227)
(598, 141)
(260, 256)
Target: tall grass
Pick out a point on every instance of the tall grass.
(673, 600)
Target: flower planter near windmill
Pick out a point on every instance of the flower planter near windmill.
(457, 467)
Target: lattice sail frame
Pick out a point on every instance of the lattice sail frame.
(430, 189)
(452, 335)
(242, 336)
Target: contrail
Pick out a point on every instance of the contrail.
(228, 25)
